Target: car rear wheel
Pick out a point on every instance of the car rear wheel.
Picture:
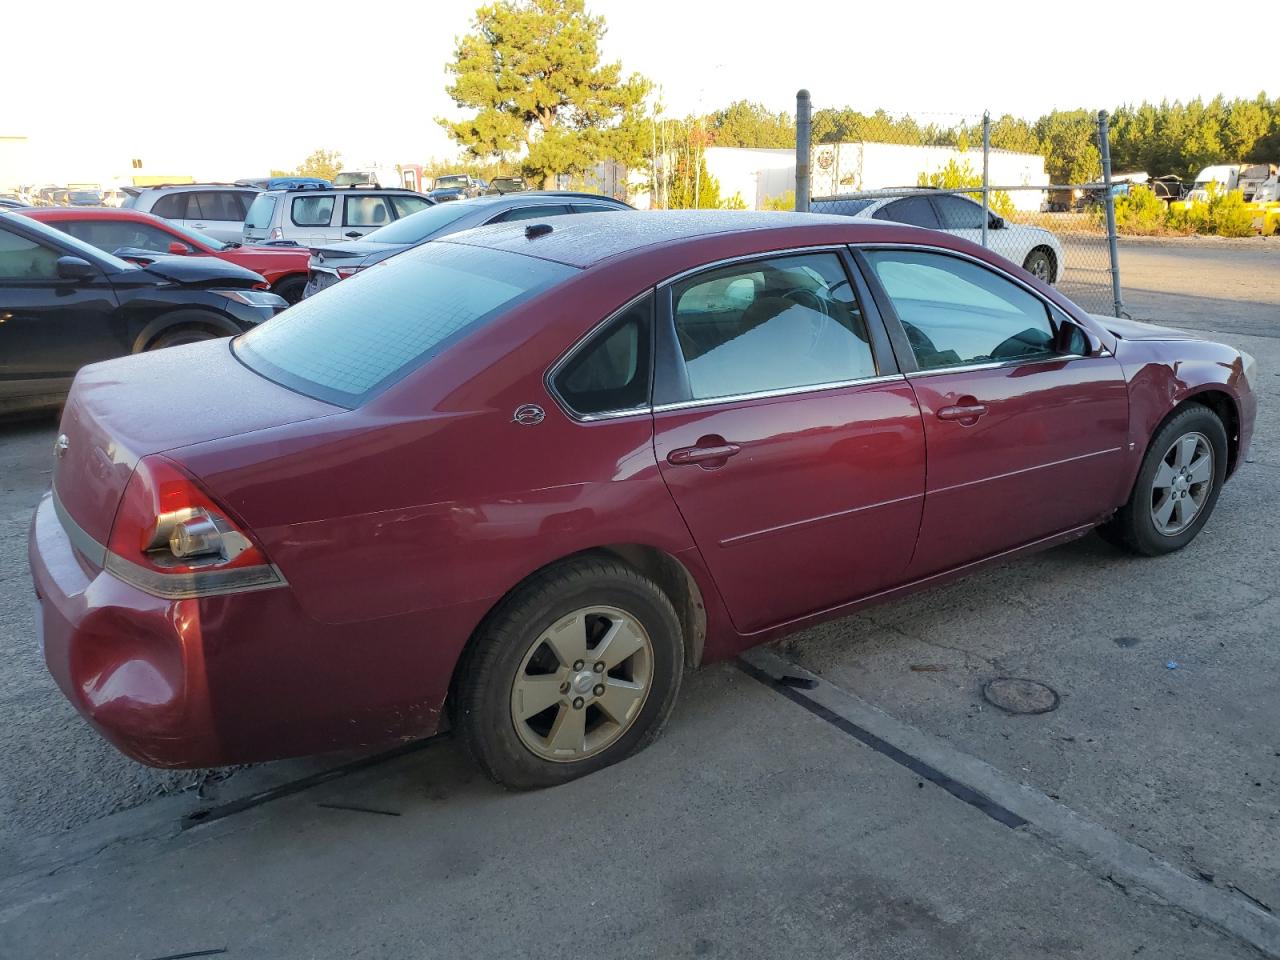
(1177, 487)
(1039, 264)
(290, 289)
(576, 670)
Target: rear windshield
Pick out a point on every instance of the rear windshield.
(418, 226)
(260, 211)
(847, 208)
(355, 338)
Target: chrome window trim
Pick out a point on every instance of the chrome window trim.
(549, 378)
(765, 254)
(80, 539)
(781, 392)
(1050, 308)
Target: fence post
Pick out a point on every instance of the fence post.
(1104, 147)
(804, 107)
(986, 173)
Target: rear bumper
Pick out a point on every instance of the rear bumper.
(130, 663)
(235, 678)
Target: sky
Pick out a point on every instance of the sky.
(232, 89)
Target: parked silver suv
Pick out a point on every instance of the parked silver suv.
(215, 209)
(312, 215)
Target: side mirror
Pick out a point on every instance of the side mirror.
(179, 249)
(997, 223)
(75, 268)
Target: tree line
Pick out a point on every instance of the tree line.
(538, 97)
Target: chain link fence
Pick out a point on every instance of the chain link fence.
(941, 171)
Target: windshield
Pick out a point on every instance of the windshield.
(418, 226)
(353, 339)
(352, 177)
(260, 211)
(82, 249)
(82, 195)
(451, 181)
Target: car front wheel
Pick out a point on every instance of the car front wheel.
(576, 670)
(1177, 486)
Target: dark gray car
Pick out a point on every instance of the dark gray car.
(337, 261)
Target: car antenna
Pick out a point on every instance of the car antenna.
(536, 230)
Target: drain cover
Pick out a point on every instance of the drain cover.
(1015, 695)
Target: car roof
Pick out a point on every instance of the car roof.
(92, 213)
(312, 190)
(584, 240)
(192, 186)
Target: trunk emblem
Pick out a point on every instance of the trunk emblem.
(528, 414)
(60, 446)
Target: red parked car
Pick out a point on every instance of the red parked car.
(111, 229)
(525, 475)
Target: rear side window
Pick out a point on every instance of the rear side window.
(367, 212)
(311, 211)
(369, 331)
(172, 206)
(531, 213)
(215, 205)
(405, 205)
(611, 372)
(777, 324)
(260, 211)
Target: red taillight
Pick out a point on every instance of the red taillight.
(171, 539)
(344, 272)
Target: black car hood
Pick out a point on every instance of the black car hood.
(444, 193)
(1139, 329)
(201, 272)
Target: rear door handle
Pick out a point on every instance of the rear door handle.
(963, 412)
(703, 454)
(353, 234)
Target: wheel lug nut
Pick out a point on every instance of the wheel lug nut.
(578, 664)
(599, 690)
(577, 703)
(598, 666)
(564, 687)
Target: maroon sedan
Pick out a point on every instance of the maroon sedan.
(525, 475)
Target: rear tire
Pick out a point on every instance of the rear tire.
(574, 671)
(1177, 486)
(290, 289)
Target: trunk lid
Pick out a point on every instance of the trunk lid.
(122, 410)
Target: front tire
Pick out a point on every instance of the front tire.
(576, 670)
(1177, 486)
(1040, 264)
(291, 288)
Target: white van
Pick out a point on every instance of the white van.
(385, 177)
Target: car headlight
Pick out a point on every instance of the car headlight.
(1250, 366)
(253, 298)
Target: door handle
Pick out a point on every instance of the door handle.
(705, 452)
(353, 234)
(964, 412)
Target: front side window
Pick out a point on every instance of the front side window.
(956, 312)
(769, 325)
(112, 235)
(23, 259)
(311, 211)
(611, 372)
(913, 211)
(957, 213)
(367, 332)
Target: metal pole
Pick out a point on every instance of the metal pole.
(804, 107)
(1104, 147)
(986, 173)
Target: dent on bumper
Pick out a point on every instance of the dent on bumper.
(130, 663)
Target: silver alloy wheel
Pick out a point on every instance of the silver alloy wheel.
(1039, 267)
(1182, 484)
(582, 684)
